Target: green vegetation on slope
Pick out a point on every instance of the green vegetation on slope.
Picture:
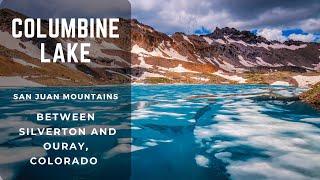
(157, 80)
(312, 96)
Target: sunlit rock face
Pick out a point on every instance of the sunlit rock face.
(155, 57)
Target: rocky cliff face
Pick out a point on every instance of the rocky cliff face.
(225, 56)
(226, 53)
(227, 49)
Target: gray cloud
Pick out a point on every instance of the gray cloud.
(187, 15)
(70, 8)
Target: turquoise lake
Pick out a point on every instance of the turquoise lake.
(175, 132)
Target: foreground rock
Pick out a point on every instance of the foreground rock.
(312, 96)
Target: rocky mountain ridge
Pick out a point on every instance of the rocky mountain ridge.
(226, 55)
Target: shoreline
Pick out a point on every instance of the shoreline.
(303, 96)
(151, 84)
(145, 84)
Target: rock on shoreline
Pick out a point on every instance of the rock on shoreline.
(312, 96)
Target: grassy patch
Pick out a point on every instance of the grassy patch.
(268, 78)
(157, 80)
(313, 95)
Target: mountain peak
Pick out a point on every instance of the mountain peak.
(225, 31)
(233, 33)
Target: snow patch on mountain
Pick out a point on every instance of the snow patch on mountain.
(232, 41)
(306, 81)
(180, 69)
(245, 63)
(261, 62)
(221, 41)
(187, 39)
(225, 65)
(172, 53)
(159, 52)
(208, 40)
(24, 63)
(136, 49)
(143, 63)
(230, 77)
(316, 66)
(14, 44)
(108, 45)
(141, 51)
(201, 79)
(114, 72)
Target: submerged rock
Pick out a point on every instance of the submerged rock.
(272, 96)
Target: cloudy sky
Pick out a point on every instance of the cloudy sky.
(70, 8)
(274, 19)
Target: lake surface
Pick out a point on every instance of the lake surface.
(181, 132)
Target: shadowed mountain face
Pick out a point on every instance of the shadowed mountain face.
(220, 57)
